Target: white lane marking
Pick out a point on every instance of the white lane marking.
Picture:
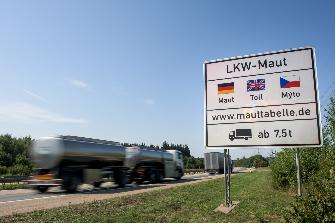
(36, 198)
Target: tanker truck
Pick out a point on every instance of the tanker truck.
(69, 161)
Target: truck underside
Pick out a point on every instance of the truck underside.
(69, 177)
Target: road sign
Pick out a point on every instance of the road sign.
(268, 99)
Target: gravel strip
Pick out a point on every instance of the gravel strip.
(17, 191)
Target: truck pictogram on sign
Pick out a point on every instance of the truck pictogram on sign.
(240, 134)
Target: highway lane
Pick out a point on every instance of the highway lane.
(28, 194)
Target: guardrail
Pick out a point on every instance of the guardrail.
(13, 179)
(193, 171)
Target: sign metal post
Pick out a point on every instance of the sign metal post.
(297, 160)
(227, 167)
(229, 175)
(225, 179)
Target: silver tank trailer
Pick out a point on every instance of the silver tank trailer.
(136, 155)
(49, 152)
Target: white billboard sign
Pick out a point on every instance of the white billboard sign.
(268, 99)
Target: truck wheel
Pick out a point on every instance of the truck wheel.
(152, 176)
(42, 189)
(71, 183)
(97, 184)
(179, 175)
(246, 138)
(159, 176)
(123, 181)
(120, 178)
(231, 139)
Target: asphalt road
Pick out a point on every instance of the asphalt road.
(28, 194)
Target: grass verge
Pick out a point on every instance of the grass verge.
(13, 186)
(190, 203)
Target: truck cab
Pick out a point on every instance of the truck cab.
(177, 169)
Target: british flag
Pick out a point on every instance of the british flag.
(256, 85)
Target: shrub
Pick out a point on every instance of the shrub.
(3, 170)
(284, 170)
(20, 170)
(318, 201)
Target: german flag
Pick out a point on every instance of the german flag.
(226, 88)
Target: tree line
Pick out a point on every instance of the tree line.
(253, 161)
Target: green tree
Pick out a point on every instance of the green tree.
(258, 161)
(253, 161)
(243, 162)
(165, 146)
(185, 151)
(193, 163)
(14, 155)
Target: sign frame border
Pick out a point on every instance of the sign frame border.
(316, 95)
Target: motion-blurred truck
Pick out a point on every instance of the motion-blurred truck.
(214, 163)
(69, 161)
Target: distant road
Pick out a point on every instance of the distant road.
(26, 200)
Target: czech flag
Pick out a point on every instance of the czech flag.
(290, 81)
(226, 88)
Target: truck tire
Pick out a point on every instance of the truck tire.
(97, 184)
(152, 175)
(120, 178)
(41, 189)
(179, 175)
(159, 176)
(70, 183)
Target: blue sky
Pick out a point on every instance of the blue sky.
(132, 71)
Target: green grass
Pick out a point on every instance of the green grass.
(190, 203)
(13, 186)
